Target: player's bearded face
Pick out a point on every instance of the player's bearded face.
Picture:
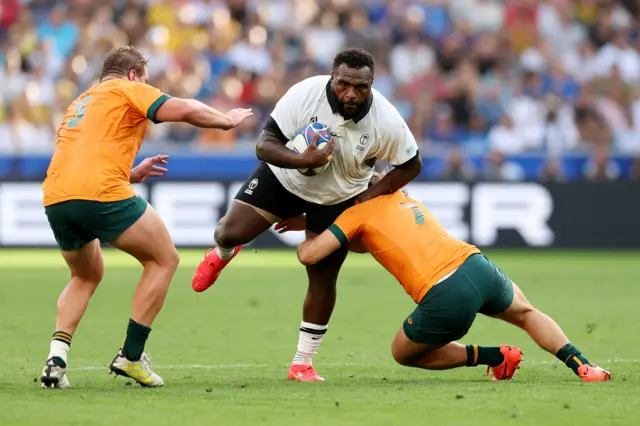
(352, 87)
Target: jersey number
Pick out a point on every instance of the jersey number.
(417, 213)
(81, 106)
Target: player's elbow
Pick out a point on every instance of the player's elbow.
(260, 150)
(263, 147)
(306, 258)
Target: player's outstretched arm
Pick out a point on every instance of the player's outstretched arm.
(313, 250)
(199, 114)
(394, 180)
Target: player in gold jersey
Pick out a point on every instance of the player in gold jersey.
(89, 200)
(450, 281)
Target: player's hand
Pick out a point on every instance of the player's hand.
(298, 223)
(317, 157)
(238, 115)
(365, 196)
(149, 168)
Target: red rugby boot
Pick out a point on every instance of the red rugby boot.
(511, 363)
(209, 269)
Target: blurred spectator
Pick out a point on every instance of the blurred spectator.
(620, 54)
(504, 138)
(497, 168)
(551, 171)
(411, 59)
(600, 168)
(566, 72)
(457, 168)
(61, 31)
(493, 169)
(479, 15)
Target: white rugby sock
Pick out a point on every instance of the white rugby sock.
(308, 342)
(59, 349)
(225, 254)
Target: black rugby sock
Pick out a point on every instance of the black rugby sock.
(484, 355)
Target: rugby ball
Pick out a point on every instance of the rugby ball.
(304, 137)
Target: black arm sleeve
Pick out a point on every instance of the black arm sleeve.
(409, 161)
(272, 127)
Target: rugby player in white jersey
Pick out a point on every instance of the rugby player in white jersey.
(365, 128)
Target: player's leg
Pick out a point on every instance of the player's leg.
(259, 203)
(321, 294)
(81, 251)
(148, 240)
(241, 225)
(444, 315)
(549, 336)
(425, 355)
(316, 312)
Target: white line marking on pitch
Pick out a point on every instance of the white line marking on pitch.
(331, 364)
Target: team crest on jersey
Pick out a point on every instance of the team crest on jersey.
(363, 141)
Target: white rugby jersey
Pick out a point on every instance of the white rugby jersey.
(378, 133)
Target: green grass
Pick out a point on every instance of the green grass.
(224, 353)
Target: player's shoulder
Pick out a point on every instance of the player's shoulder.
(316, 82)
(383, 110)
(312, 87)
(307, 93)
(123, 85)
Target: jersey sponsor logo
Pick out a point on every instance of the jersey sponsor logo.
(363, 142)
(252, 185)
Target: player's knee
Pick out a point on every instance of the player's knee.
(167, 259)
(89, 277)
(173, 259)
(230, 233)
(170, 259)
(85, 282)
(400, 355)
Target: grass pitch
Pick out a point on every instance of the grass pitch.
(224, 353)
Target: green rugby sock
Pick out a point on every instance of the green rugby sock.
(484, 355)
(137, 335)
(572, 357)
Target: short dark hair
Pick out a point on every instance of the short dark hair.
(121, 60)
(354, 58)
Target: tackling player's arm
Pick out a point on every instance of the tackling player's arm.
(315, 249)
(299, 223)
(344, 230)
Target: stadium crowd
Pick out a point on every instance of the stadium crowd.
(494, 77)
